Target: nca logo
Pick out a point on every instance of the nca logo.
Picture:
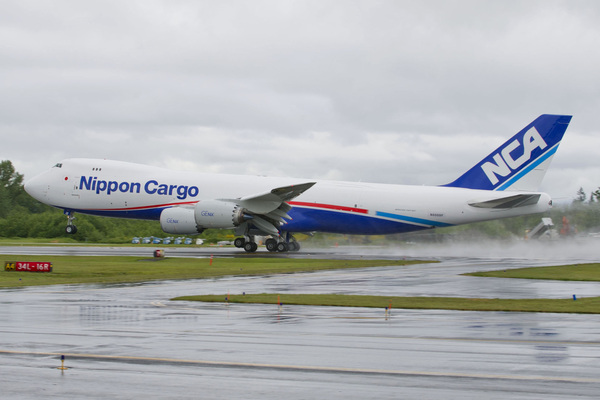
(506, 162)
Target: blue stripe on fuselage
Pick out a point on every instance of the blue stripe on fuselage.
(412, 219)
(310, 219)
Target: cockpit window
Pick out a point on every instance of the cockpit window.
(59, 165)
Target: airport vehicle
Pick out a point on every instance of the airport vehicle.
(503, 184)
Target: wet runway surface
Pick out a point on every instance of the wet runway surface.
(131, 341)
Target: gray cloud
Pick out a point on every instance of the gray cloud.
(385, 91)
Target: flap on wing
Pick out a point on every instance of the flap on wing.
(264, 203)
(519, 200)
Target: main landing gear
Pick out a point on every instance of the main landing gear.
(279, 244)
(282, 246)
(71, 229)
(247, 243)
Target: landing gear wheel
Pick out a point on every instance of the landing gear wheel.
(282, 247)
(294, 246)
(71, 229)
(250, 247)
(239, 242)
(271, 244)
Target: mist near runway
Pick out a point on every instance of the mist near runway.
(562, 251)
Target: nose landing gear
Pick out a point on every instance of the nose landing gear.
(71, 229)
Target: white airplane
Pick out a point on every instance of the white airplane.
(504, 184)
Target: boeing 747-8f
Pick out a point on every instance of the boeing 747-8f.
(504, 184)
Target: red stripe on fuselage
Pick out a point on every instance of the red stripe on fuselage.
(147, 207)
(329, 207)
(292, 203)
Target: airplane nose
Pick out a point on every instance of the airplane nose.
(35, 188)
(29, 186)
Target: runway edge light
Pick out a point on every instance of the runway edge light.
(62, 363)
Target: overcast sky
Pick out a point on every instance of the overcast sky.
(408, 92)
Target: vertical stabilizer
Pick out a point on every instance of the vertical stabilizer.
(521, 163)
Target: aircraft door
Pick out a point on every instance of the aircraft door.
(75, 193)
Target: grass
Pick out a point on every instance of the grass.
(35, 241)
(584, 306)
(575, 272)
(102, 270)
(110, 270)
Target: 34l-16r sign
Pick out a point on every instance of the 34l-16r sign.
(28, 266)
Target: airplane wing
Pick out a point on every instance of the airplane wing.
(519, 200)
(268, 211)
(266, 202)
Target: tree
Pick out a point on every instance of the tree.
(581, 196)
(11, 185)
(9, 178)
(596, 194)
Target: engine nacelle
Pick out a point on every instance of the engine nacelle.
(218, 214)
(180, 221)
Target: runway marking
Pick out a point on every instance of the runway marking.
(160, 304)
(499, 340)
(307, 368)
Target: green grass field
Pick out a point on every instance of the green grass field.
(111, 270)
(584, 306)
(575, 272)
(73, 270)
(579, 272)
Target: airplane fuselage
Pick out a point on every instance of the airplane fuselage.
(126, 190)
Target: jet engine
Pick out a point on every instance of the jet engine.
(218, 214)
(206, 214)
(179, 221)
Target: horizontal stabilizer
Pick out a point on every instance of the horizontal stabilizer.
(519, 200)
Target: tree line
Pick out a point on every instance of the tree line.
(21, 216)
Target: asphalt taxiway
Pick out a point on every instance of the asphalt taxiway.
(131, 341)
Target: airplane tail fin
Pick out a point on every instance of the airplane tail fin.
(521, 163)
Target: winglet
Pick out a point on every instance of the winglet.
(521, 162)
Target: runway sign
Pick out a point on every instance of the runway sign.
(28, 266)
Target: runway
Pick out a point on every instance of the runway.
(131, 341)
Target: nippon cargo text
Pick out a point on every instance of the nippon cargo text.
(152, 186)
